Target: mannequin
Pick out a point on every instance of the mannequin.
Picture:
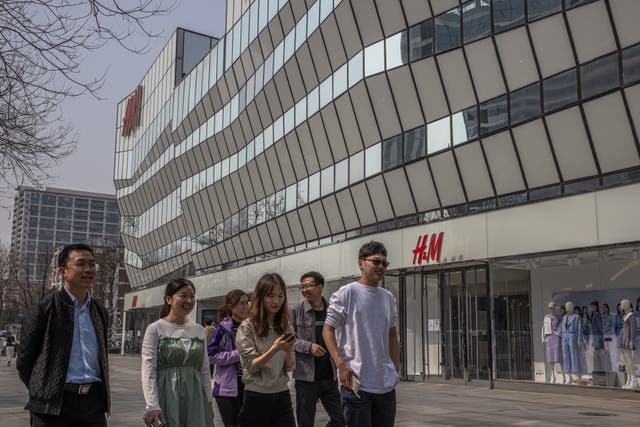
(571, 330)
(552, 339)
(610, 337)
(627, 342)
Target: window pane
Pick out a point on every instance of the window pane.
(525, 103)
(560, 90)
(372, 159)
(326, 91)
(313, 102)
(291, 197)
(303, 192)
(392, 152)
(314, 186)
(340, 81)
(507, 14)
(599, 76)
(631, 64)
(355, 69)
(48, 211)
(326, 181)
(397, 50)
(48, 199)
(374, 59)
(414, 144)
(438, 135)
(573, 3)
(493, 115)
(448, 30)
(465, 125)
(356, 167)
(540, 8)
(476, 20)
(421, 40)
(342, 174)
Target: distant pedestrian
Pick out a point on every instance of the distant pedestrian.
(315, 376)
(361, 335)
(228, 388)
(175, 368)
(9, 347)
(63, 355)
(265, 342)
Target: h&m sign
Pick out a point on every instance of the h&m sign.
(428, 248)
(131, 119)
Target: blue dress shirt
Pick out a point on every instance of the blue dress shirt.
(84, 362)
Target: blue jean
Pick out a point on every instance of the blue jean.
(368, 410)
(570, 352)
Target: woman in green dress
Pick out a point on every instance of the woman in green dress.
(175, 367)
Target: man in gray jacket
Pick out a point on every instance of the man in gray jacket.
(314, 373)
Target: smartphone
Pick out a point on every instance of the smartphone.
(288, 336)
(162, 423)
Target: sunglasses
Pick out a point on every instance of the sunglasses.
(377, 262)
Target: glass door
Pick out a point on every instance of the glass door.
(466, 324)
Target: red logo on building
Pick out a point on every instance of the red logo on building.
(428, 248)
(134, 301)
(131, 119)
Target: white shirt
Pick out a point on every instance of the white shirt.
(156, 331)
(362, 316)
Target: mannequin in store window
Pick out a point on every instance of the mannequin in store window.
(551, 336)
(600, 361)
(636, 346)
(626, 343)
(609, 335)
(571, 330)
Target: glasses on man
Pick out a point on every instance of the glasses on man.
(378, 262)
(83, 266)
(307, 286)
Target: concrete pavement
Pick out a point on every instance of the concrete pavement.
(419, 404)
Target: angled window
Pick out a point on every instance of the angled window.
(494, 115)
(374, 59)
(465, 125)
(507, 14)
(447, 28)
(599, 76)
(421, 40)
(560, 90)
(631, 64)
(476, 20)
(397, 48)
(575, 3)
(414, 143)
(372, 160)
(439, 135)
(525, 103)
(537, 9)
(392, 152)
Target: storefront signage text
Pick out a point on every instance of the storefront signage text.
(131, 119)
(428, 248)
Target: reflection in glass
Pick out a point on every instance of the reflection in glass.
(438, 135)
(372, 160)
(525, 103)
(278, 57)
(573, 3)
(465, 125)
(264, 12)
(313, 18)
(326, 181)
(476, 20)
(277, 130)
(268, 69)
(342, 174)
(314, 186)
(326, 6)
(355, 69)
(302, 192)
(301, 31)
(560, 90)
(289, 45)
(340, 81)
(326, 91)
(494, 115)
(396, 47)
(540, 8)
(356, 167)
(599, 76)
(374, 59)
(414, 143)
(291, 197)
(421, 40)
(507, 14)
(631, 64)
(301, 111)
(289, 120)
(313, 101)
(448, 30)
(392, 152)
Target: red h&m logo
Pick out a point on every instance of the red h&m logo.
(134, 301)
(430, 252)
(131, 119)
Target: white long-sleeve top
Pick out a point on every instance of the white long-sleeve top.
(152, 336)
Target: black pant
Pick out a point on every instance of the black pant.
(307, 395)
(370, 409)
(78, 410)
(230, 407)
(267, 410)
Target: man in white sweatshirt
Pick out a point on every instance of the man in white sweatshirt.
(359, 314)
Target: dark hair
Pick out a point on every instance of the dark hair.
(172, 287)
(208, 320)
(230, 300)
(257, 313)
(372, 248)
(63, 255)
(597, 306)
(607, 306)
(317, 277)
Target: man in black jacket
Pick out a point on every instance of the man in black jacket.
(63, 353)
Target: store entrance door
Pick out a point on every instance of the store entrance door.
(465, 325)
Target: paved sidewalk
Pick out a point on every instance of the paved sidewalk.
(419, 404)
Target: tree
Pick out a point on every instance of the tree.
(42, 45)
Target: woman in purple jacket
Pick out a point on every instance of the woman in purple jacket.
(228, 389)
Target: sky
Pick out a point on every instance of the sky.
(90, 167)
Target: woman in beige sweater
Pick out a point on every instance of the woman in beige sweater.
(265, 342)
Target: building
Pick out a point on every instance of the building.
(491, 145)
(46, 219)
